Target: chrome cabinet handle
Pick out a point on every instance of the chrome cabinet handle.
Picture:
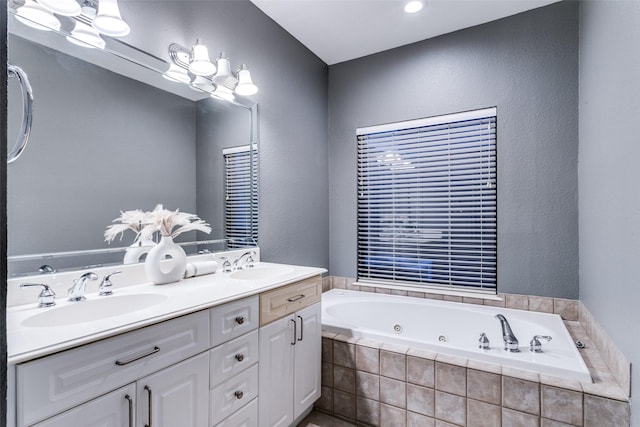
(240, 320)
(126, 362)
(27, 112)
(130, 400)
(301, 328)
(296, 298)
(295, 331)
(239, 357)
(239, 394)
(148, 389)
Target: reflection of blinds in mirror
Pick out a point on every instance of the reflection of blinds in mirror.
(427, 202)
(241, 195)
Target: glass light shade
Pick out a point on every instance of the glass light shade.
(223, 92)
(200, 64)
(245, 85)
(36, 16)
(224, 76)
(177, 74)
(413, 6)
(203, 84)
(62, 7)
(109, 21)
(84, 35)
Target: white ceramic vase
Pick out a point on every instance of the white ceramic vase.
(166, 262)
(137, 251)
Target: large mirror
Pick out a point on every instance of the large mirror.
(110, 134)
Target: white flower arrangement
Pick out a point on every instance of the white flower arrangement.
(145, 224)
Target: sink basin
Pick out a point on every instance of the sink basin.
(93, 309)
(262, 273)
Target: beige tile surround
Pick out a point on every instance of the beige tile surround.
(372, 383)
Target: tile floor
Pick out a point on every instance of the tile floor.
(319, 419)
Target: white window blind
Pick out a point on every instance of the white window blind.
(427, 202)
(241, 195)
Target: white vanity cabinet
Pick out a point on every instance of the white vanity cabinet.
(290, 351)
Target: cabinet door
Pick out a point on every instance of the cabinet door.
(176, 396)
(308, 351)
(115, 409)
(277, 342)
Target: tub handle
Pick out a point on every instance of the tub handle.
(295, 331)
(301, 328)
(296, 298)
(535, 345)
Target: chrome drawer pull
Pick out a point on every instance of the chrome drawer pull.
(130, 400)
(150, 403)
(239, 394)
(126, 362)
(240, 357)
(296, 298)
(240, 320)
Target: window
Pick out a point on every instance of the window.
(241, 195)
(427, 202)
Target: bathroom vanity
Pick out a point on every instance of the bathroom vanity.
(224, 349)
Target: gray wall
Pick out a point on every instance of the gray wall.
(608, 172)
(294, 216)
(527, 66)
(100, 143)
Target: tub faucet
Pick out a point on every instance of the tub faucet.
(76, 292)
(510, 340)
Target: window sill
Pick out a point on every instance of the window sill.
(429, 290)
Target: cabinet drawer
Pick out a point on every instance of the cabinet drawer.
(233, 394)
(114, 409)
(52, 384)
(231, 320)
(245, 417)
(232, 357)
(282, 301)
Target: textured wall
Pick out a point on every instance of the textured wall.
(609, 173)
(294, 216)
(526, 65)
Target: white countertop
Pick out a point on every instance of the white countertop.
(186, 296)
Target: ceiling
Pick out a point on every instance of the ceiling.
(341, 30)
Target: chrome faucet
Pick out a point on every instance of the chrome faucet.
(46, 298)
(106, 287)
(244, 261)
(510, 340)
(76, 292)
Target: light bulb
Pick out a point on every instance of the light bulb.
(413, 6)
(85, 35)
(224, 76)
(36, 16)
(62, 7)
(200, 64)
(177, 74)
(245, 85)
(109, 21)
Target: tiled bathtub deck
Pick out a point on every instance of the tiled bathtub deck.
(371, 383)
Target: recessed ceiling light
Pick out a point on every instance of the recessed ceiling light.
(413, 6)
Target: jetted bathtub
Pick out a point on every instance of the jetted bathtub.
(454, 328)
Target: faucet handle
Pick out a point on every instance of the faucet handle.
(483, 342)
(106, 287)
(226, 265)
(46, 298)
(535, 345)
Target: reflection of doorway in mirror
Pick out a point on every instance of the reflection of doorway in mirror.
(241, 195)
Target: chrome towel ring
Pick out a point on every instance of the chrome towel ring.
(27, 112)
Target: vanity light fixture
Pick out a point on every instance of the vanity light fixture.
(84, 34)
(221, 83)
(245, 86)
(200, 64)
(36, 16)
(413, 6)
(62, 7)
(108, 21)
